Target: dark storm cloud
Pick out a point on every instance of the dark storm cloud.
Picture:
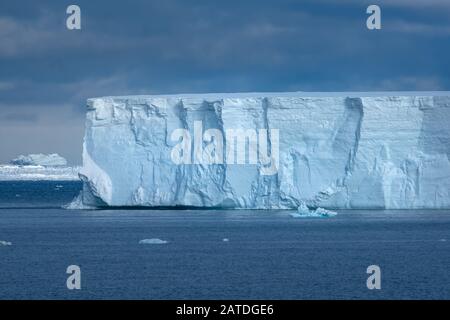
(169, 46)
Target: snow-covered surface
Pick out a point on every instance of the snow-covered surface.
(337, 150)
(39, 159)
(35, 173)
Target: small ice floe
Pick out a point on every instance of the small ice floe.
(153, 241)
(5, 243)
(225, 239)
(442, 240)
(304, 212)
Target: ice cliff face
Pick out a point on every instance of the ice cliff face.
(346, 150)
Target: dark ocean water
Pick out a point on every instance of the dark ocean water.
(269, 255)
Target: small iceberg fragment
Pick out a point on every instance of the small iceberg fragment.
(5, 243)
(225, 239)
(153, 241)
(304, 212)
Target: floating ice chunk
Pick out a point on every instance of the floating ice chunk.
(304, 212)
(321, 212)
(225, 240)
(303, 209)
(5, 243)
(153, 241)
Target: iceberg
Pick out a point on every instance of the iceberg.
(36, 167)
(40, 159)
(304, 212)
(377, 150)
(5, 243)
(38, 173)
(152, 241)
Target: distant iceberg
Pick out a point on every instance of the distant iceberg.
(38, 173)
(153, 241)
(40, 159)
(304, 212)
(37, 167)
(5, 243)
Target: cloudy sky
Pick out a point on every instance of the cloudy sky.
(182, 46)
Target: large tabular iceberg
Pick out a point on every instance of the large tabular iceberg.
(333, 150)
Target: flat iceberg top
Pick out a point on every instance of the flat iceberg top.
(300, 94)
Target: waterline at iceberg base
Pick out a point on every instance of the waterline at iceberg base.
(335, 150)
